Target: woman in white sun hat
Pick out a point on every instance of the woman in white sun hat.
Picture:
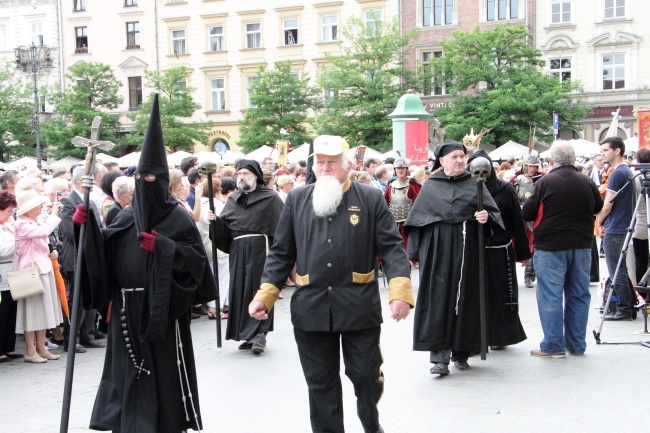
(37, 313)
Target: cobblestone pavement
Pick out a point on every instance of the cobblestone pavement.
(602, 391)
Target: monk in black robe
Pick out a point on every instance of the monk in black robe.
(245, 228)
(502, 250)
(443, 228)
(152, 265)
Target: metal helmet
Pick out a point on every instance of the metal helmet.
(400, 163)
(532, 159)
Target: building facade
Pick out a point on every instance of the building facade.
(606, 46)
(224, 42)
(436, 20)
(602, 43)
(27, 22)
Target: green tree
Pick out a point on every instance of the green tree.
(176, 103)
(495, 82)
(279, 100)
(93, 90)
(364, 83)
(16, 114)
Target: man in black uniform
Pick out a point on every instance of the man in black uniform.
(334, 231)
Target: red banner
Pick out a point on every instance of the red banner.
(643, 118)
(417, 138)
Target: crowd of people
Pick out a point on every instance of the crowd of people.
(271, 229)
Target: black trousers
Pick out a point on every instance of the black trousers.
(320, 359)
(640, 257)
(8, 309)
(86, 324)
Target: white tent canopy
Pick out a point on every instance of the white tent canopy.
(23, 163)
(581, 147)
(231, 156)
(129, 159)
(631, 145)
(369, 153)
(300, 153)
(509, 149)
(176, 157)
(105, 157)
(65, 162)
(262, 152)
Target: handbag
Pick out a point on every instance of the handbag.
(24, 283)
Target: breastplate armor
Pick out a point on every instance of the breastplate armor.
(525, 188)
(400, 204)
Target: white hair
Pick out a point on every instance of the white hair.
(123, 185)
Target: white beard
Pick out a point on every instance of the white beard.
(327, 196)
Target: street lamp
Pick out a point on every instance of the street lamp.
(32, 59)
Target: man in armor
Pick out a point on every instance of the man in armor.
(400, 195)
(524, 187)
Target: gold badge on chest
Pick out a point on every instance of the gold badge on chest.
(354, 219)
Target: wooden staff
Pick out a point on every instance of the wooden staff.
(480, 169)
(209, 168)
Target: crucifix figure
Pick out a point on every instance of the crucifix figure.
(92, 144)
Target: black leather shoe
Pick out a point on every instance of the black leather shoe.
(618, 316)
(78, 348)
(92, 344)
(99, 335)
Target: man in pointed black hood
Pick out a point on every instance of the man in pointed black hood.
(246, 227)
(157, 269)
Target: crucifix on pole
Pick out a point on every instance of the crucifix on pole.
(92, 144)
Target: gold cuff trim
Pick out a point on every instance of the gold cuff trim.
(302, 280)
(363, 278)
(267, 294)
(400, 288)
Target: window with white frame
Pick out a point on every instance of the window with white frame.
(215, 38)
(253, 35)
(250, 79)
(179, 87)
(502, 9)
(614, 9)
(79, 5)
(437, 12)
(133, 35)
(177, 41)
(561, 11)
(36, 32)
(81, 36)
(290, 31)
(432, 85)
(3, 37)
(217, 94)
(135, 93)
(372, 20)
(560, 68)
(329, 27)
(328, 94)
(613, 71)
(128, 3)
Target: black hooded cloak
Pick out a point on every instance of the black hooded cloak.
(443, 238)
(246, 228)
(151, 295)
(502, 251)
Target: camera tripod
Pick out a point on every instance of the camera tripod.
(641, 287)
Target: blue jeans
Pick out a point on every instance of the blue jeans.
(613, 245)
(563, 274)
